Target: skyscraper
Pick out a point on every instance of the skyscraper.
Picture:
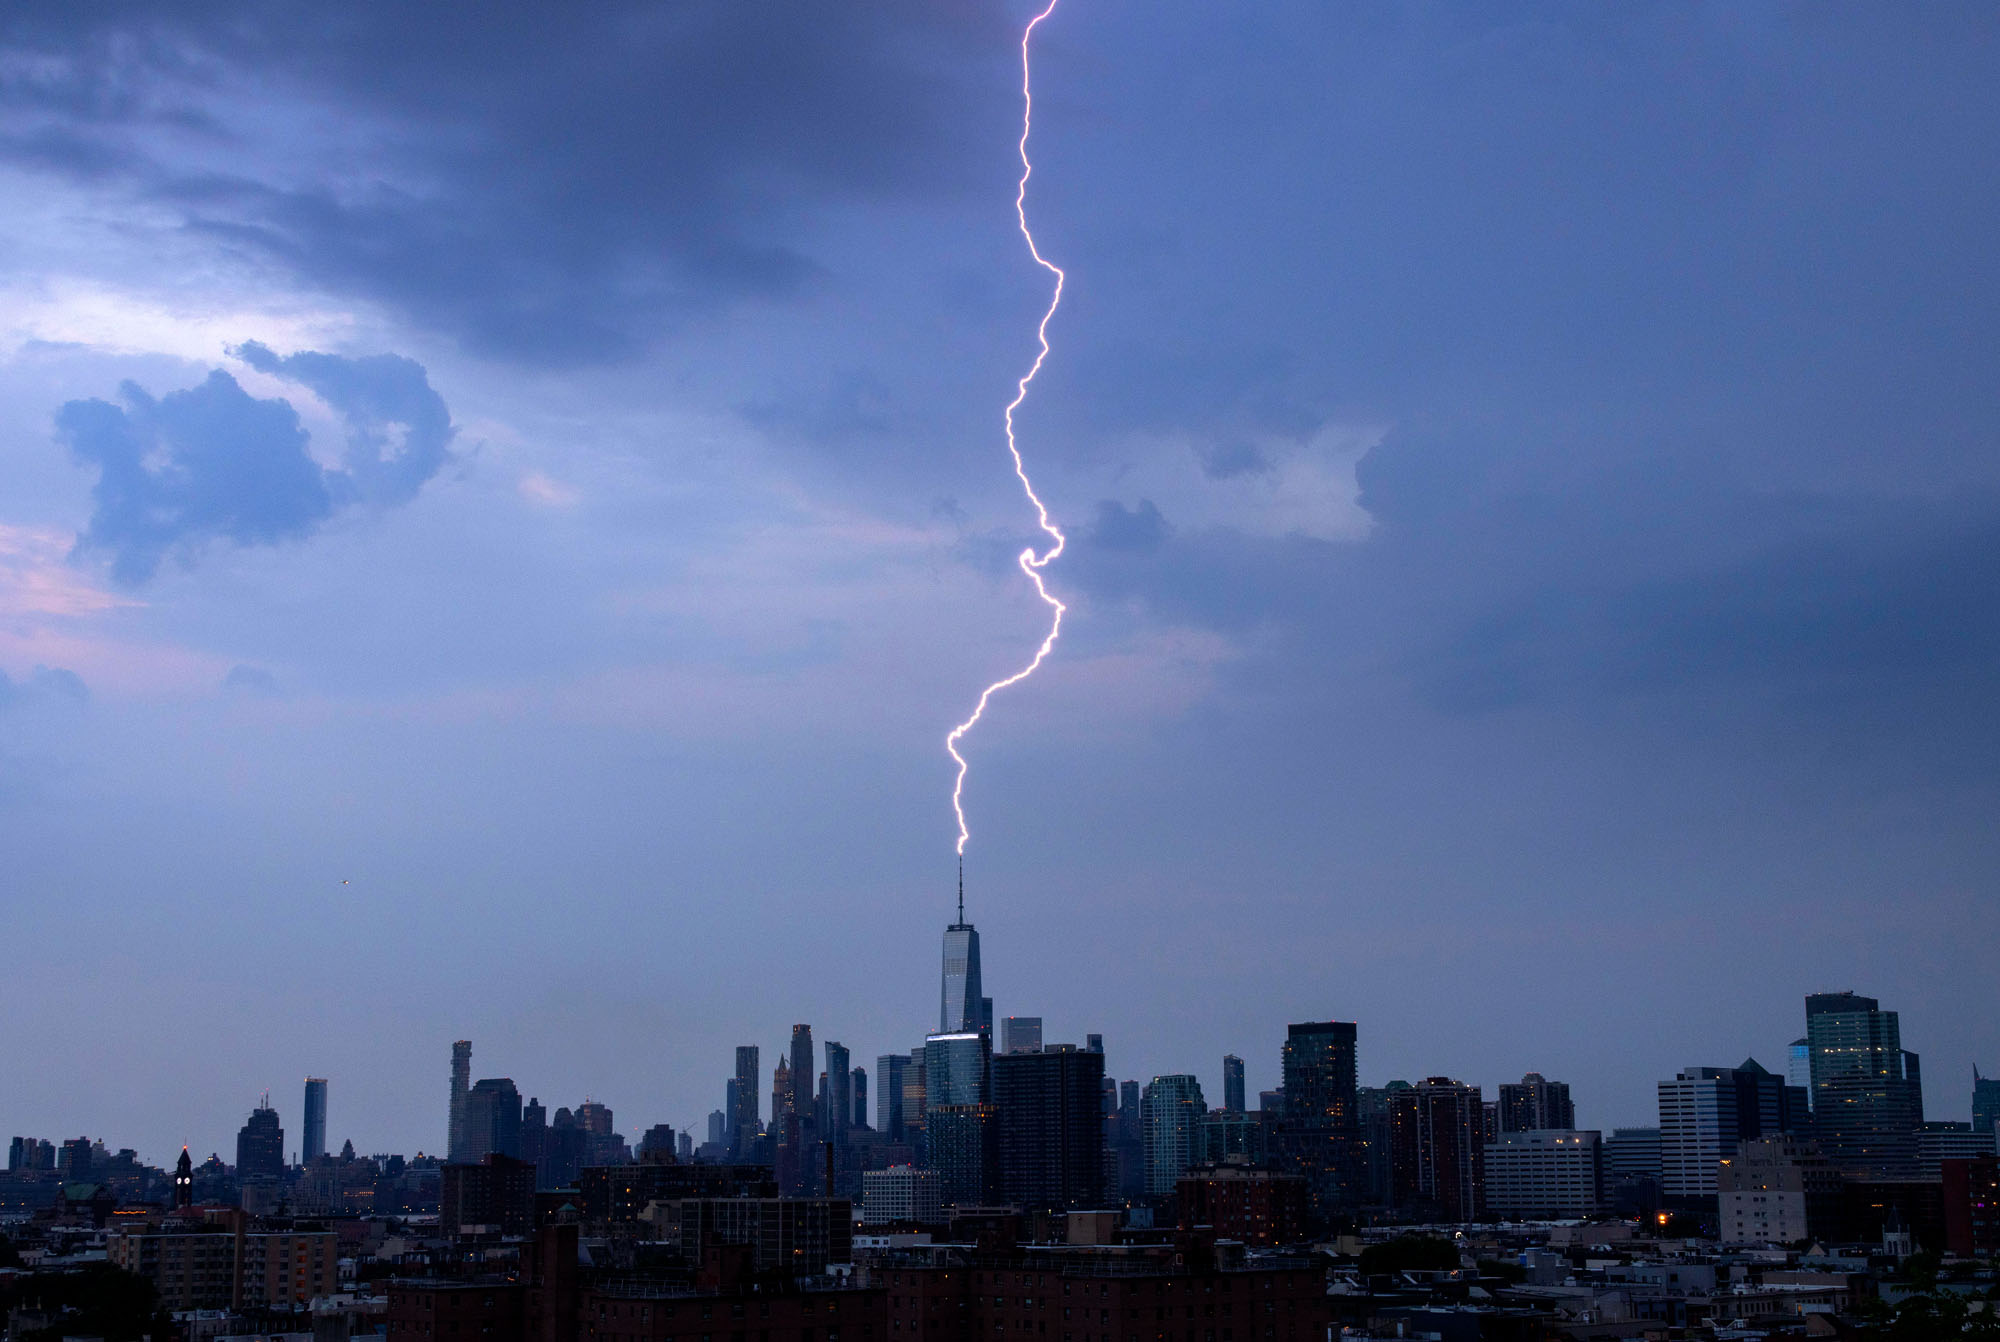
(1021, 1034)
(889, 1070)
(1867, 1092)
(461, 1083)
(1050, 1104)
(1318, 1135)
(492, 1120)
(1170, 1113)
(800, 1101)
(260, 1145)
(1705, 1112)
(748, 1070)
(1437, 1164)
(315, 1120)
(860, 1090)
(961, 1007)
(839, 1094)
(1535, 1104)
(1232, 1083)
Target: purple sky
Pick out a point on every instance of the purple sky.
(496, 518)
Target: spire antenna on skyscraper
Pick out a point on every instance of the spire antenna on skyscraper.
(961, 888)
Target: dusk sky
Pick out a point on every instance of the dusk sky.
(499, 512)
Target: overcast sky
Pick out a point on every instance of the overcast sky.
(497, 515)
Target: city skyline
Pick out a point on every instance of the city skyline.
(960, 968)
(493, 533)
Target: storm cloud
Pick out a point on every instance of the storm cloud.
(213, 463)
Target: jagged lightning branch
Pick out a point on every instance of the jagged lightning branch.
(1031, 563)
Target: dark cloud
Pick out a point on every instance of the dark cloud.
(550, 184)
(398, 427)
(212, 462)
(45, 684)
(1139, 530)
(1230, 458)
(849, 404)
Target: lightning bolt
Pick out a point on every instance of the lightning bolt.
(1031, 563)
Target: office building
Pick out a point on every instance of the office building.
(859, 1087)
(1705, 1112)
(1318, 1137)
(839, 1095)
(1232, 1083)
(1867, 1091)
(1985, 1102)
(260, 1145)
(718, 1129)
(916, 1081)
(901, 1194)
(1050, 1105)
(1533, 1104)
(890, 1070)
(748, 1072)
(1021, 1034)
(1544, 1174)
(961, 1008)
(1632, 1153)
(1798, 1067)
(1170, 1114)
(315, 1121)
(1437, 1152)
(1939, 1142)
(493, 1120)
(461, 1085)
(957, 1068)
(1093, 1043)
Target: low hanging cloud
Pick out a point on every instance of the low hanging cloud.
(212, 463)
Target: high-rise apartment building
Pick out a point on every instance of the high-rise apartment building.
(800, 1101)
(1232, 1083)
(1535, 1103)
(1437, 1154)
(901, 1194)
(748, 1072)
(461, 1084)
(1170, 1114)
(1541, 1173)
(1051, 1128)
(1021, 1034)
(260, 1145)
(1867, 1091)
(1317, 1135)
(315, 1121)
